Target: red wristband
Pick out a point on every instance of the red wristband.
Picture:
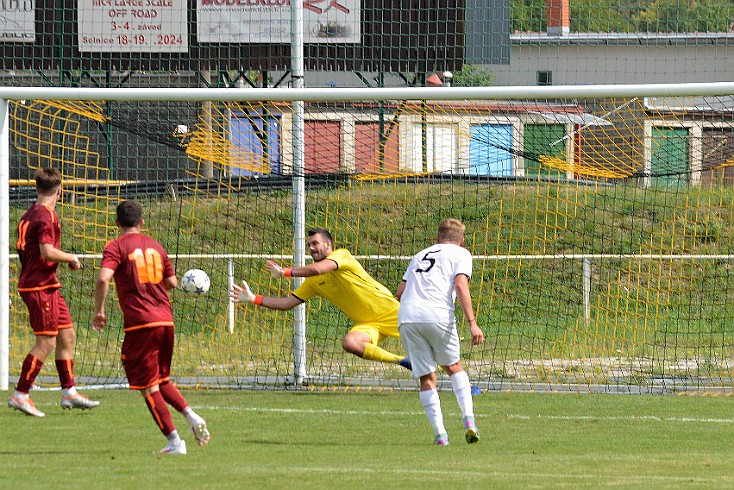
(258, 299)
(288, 272)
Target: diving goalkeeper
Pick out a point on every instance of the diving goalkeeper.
(337, 276)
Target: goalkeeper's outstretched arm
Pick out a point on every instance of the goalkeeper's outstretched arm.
(314, 269)
(243, 294)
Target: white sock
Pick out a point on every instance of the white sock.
(432, 406)
(21, 396)
(192, 417)
(68, 391)
(462, 390)
(174, 438)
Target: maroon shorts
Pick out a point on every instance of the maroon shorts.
(146, 356)
(47, 311)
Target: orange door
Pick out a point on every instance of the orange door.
(367, 150)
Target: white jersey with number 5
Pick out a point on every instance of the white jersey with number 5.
(429, 292)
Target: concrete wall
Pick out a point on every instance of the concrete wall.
(618, 59)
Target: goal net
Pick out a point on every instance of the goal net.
(601, 227)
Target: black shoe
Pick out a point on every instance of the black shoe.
(405, 362)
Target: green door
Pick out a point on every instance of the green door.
(544, 139)
(669, 161)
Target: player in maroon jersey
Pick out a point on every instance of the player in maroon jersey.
(39, 242)
(143, 275)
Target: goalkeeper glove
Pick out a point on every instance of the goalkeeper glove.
(277, 271)
(244, 294)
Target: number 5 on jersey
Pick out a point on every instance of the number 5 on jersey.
(431, 262)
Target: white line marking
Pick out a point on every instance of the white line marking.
(611, 480)
(653, 418)
(643, 418)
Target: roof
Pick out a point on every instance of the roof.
(624, 38)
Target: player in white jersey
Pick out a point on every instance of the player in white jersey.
(436, 277)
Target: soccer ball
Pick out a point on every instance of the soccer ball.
(195, 281)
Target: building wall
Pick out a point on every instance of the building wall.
(602, 59)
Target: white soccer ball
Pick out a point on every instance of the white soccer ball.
(195, 281)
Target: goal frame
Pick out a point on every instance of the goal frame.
(294, 96)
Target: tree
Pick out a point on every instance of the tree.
(686, 16)
(473, 76)
(528, 15)
(668, 16)
(592, 16)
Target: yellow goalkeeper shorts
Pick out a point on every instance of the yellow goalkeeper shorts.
(378, 330)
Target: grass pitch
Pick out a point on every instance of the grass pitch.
(378, 440)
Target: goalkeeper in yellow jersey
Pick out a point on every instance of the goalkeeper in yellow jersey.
(337, 276)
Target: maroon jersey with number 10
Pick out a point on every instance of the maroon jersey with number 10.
(39, 224)
(140, 264)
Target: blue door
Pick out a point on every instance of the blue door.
(251, 141)
(490, 150)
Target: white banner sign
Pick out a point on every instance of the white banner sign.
(133, 26)
(18, 20)
(269, 21)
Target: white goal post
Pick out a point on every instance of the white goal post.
(349, 94)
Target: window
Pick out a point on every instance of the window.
(545, 78)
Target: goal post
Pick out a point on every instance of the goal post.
(599, 218)
(4, 244)
(540, 92)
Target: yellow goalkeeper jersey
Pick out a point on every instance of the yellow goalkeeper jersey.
(351, 289)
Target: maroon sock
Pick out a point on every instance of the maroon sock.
(159, 411)
(29, 371)
(172, 396)
(65, 367)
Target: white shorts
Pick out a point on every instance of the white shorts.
(428, 344)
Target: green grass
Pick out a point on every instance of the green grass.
(382, 440)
